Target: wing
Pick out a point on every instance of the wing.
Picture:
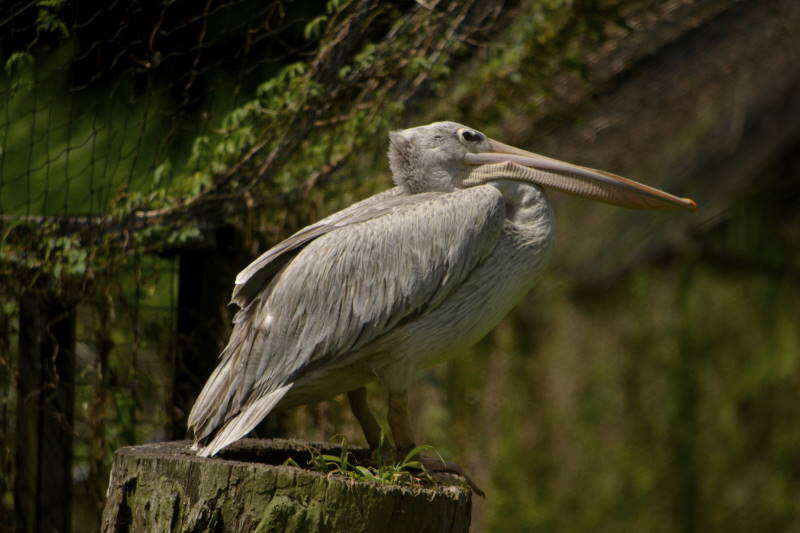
(252, 279)
(341, 291)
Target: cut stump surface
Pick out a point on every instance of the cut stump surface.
(165, 487)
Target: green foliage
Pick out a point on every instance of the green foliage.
(314, 29)
(58, 257)
(65, 255)
(409, 471)
(47, 19)
(516, 76)
(342, 117)
(17, 61)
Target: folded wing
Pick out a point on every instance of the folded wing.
(252, 279)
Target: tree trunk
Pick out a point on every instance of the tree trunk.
(165, 487)
(45, 414)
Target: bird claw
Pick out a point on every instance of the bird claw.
(436, 464)
(388, 454)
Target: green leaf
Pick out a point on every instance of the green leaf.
(315, 28)
(291, 462)
(416, 451)
(18, 60)
(364, 471)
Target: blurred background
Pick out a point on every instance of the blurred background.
(650, 382)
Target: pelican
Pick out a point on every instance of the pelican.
(396, 282)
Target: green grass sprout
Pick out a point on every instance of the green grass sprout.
(410, 471)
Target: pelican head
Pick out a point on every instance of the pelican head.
(444, 156)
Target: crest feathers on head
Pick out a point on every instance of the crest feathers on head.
(403, 159)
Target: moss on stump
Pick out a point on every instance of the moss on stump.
(165, 487)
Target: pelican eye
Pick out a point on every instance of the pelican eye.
(471, 136)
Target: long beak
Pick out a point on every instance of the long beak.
(506, 162)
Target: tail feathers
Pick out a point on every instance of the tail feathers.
(229, 386)
(213, 401)
(243, 423)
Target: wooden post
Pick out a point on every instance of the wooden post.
(45, 409)
(165, 487)
(205, 282)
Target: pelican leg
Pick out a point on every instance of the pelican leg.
(360, 408)
(400, 424)
(404, 441)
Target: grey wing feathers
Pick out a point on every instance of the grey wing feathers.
(341, 291)
(252, 279)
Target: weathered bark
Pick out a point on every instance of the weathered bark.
(165, 487)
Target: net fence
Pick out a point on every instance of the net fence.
(132, 131)
(96, 100)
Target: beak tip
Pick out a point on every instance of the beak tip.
(691, 205)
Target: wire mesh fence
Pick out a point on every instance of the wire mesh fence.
(130, 133)
(95, 100)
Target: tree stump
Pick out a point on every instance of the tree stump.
(165, 487)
